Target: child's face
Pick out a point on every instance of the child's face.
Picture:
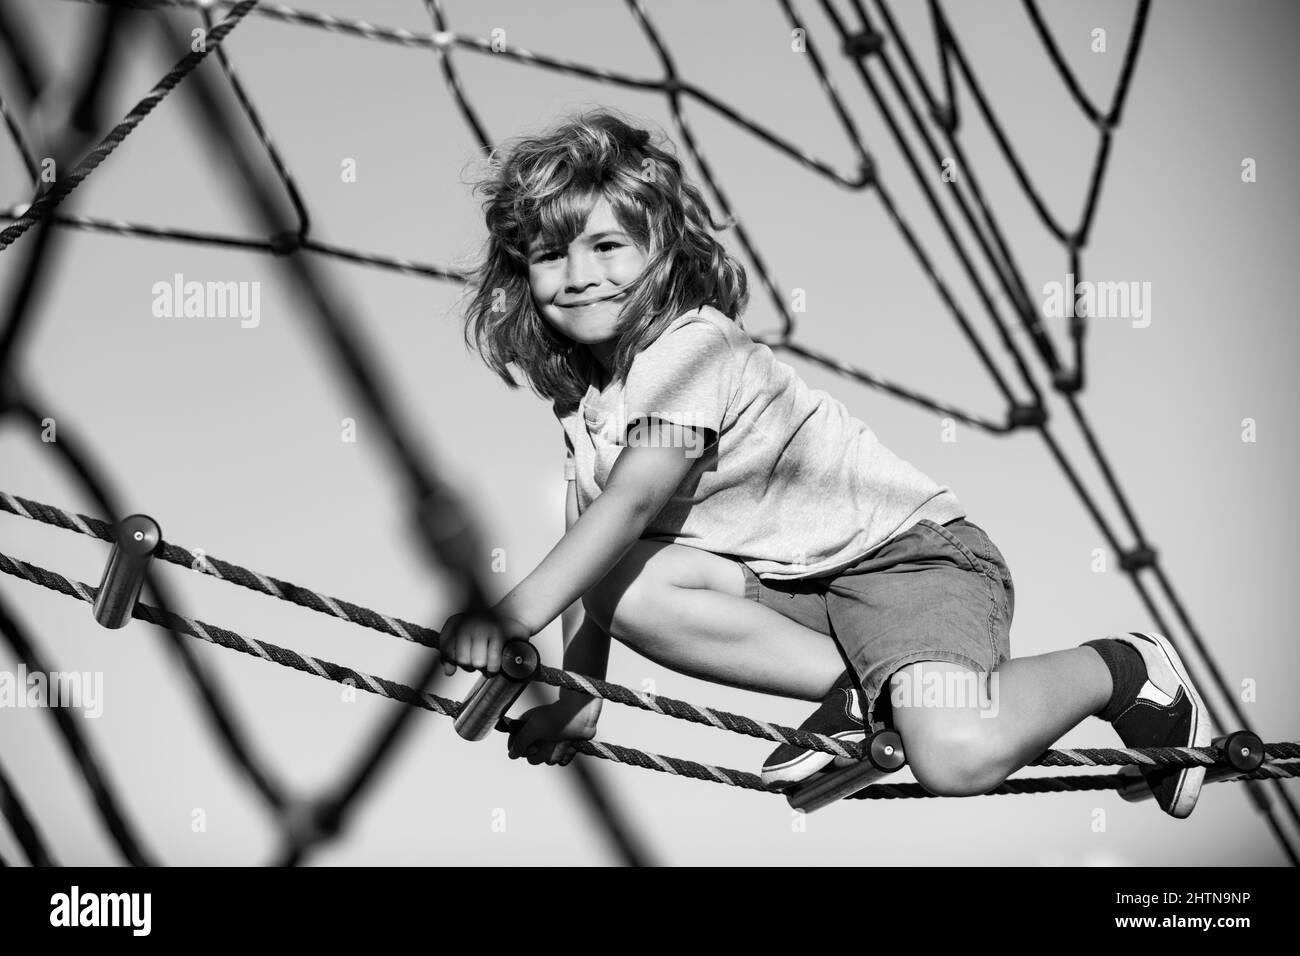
(580, 290)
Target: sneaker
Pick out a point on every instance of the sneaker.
(839, 717)
(1166, 712)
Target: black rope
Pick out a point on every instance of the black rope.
(111, 809)
(1047, 354)
(66, 184)
(25, 152)
(439, 521)
(17, 44)
(20, 822)
(92, 476)
(924, 181)
(1000, 256)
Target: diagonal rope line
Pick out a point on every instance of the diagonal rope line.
(263, 135)
(48, 201)
(24, 828)
(856, 374)
(111, 806)
(1000, 260)
(25, 152)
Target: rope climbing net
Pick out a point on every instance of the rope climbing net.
(884, 58)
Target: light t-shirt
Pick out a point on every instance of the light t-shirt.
(794, 486)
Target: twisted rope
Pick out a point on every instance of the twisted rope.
(418, 634)
(1023, 785)
(605, 751)
(235, 641)
(47, 202)
(556, 677)
(394, 690)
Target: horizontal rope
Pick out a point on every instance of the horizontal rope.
(409, 631)
(122, 227)
(383, 687)
(1023, 785)
(556, 677)
(394, 690)
(236, 641)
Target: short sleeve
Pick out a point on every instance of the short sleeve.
(684, 376)
(570, 471)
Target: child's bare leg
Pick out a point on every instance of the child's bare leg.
(686, 609)
(965, 747)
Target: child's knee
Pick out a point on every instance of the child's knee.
(950, 756)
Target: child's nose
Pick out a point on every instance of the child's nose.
(581, 273)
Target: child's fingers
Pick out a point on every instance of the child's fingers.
(455, 643)
(495, 645)
(487, 643)
(464, 647)
(446, 641)
(479, 640)
(521, 740)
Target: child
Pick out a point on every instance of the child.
(730, 523)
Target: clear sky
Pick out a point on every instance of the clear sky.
(230, 436)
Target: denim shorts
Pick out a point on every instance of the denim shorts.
(932, 593)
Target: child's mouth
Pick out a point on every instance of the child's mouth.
(608, 298)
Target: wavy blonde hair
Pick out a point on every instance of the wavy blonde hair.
(542, 188)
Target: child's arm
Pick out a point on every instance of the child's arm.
(586, 645)
(642, 480)
(640, 484)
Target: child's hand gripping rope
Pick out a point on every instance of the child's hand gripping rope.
(474, 641)
(545, 732)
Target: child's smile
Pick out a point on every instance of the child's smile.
(580, 291)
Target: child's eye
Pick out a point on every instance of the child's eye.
(549, 254)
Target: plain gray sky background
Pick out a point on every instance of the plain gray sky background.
(230, 436)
